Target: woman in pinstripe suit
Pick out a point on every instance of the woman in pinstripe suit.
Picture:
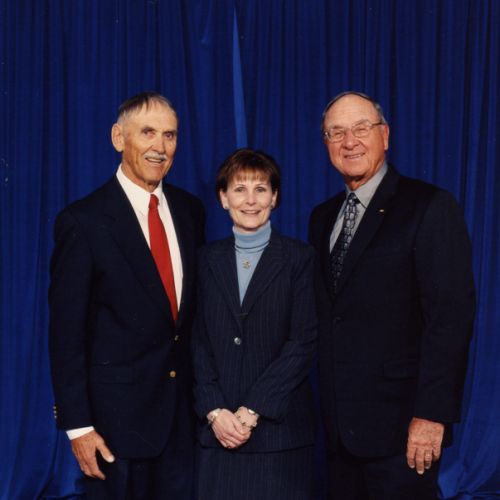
(253, 344)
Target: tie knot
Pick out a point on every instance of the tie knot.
(352, 199)
(153, 202)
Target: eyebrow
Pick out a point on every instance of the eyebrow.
(147, 128)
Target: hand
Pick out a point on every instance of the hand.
(424, 443)
(246, 418)
(85, 450)
(229, 431)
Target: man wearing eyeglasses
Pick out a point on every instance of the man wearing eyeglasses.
(396, 305)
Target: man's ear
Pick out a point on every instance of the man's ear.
(385, 135)
(117, 137)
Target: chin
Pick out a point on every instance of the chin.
(156, 178)
(356, 173)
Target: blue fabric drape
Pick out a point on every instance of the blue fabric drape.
(239, 72)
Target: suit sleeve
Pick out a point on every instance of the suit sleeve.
(69, 296)
(207, 392)
(270, 394)
(446, 294)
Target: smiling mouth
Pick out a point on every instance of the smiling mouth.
(157, 160)
(354, 157)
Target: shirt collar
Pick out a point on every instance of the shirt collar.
(253, 241)
(138, 196)
(365, 192)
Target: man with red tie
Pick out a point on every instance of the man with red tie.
(121, 307)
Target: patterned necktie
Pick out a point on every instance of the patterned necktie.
(161, 253)
(344, 238)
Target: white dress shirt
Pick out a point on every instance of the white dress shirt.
(139, 199)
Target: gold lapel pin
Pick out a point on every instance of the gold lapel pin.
(382, 210)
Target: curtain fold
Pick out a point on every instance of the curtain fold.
(239, 72)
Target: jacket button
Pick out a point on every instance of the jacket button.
(237, 340)
(172, 374)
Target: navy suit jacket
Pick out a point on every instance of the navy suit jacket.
(393, 342)
(118, 361)
(257, 354)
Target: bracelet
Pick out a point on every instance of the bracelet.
(250, 412)
(213, 415)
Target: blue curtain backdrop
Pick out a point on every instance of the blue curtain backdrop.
(240, 72)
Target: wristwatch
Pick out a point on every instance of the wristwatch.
(213, 415)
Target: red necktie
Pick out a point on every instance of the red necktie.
(161, 253)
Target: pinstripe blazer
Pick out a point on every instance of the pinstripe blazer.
(257, 354)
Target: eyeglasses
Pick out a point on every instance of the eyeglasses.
(361, 129)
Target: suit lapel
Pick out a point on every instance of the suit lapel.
(222, 262)
(127, 233)
(269, 265)
(370, 223)
(330, 219)
(187, 245)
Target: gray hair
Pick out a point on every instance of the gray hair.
(136, 103)
(376, 105)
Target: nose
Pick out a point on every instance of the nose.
(251, 198)
(350, 140)
(159, 144)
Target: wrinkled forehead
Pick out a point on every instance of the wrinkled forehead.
(349, 110)
(148, 111)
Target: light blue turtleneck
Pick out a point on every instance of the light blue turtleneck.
(249, 248)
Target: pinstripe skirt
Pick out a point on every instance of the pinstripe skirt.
(228, 475)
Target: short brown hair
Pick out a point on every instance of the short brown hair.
(252, 161)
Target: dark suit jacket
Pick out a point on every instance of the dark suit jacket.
(257, 354)
(118, 361)
(394, 340)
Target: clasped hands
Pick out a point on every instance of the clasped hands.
(232, 430)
